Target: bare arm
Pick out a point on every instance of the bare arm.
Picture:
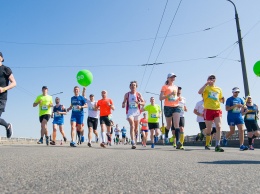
(84, 92)
(195, 111)
(202, 88)
(124, 101)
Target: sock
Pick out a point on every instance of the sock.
(166, 133)
(217, 143)
(3, 123)
(207, 140)
(103, 137)
(177, 134)
(250, 140)
(182, 137)
(108, 137)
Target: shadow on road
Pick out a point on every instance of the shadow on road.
(232, 162)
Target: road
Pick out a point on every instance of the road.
(119, 169)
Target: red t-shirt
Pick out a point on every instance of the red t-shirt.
(104, 107)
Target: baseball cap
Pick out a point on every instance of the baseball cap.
(171, 74)
(2, 56)
(44, 87)
(235, 89)
(211, 75)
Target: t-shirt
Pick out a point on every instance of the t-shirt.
(211, 96)
(123, 130)
(172, 100)
(75, 102)
(5, 73)
(182, 103)
(116, 130)
(153, 113)
(200, 108)
(44, 106)
(105, 109)
(91, 109)
(144, 123)
(235, 112)
(58, 117)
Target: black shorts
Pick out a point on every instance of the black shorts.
(46, 117)
(251, 126)
(214, 130)
(117, 136)
(153, 125)
(92, 122)
(2, 105)
(202, 125)
(123, 136)
(105, 120)
(181, 123)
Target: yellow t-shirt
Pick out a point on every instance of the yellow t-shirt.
(44, 107)
(162, 130)
(212, 96)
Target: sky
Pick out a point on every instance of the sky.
(47, 42)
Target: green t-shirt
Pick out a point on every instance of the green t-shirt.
(153, 113)
(44, 107)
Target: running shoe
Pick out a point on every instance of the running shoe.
(251, 147)
(103, 145)
(73, 144)
(82, 139)
(152, 146)
(40, 141)
(133, 146)
(209, 144)
(197, 137)
(218, 149)
(174, 145)
(47, 140)
(9, 131)
(178, 145)
(89, 144)
(52, 143)
(97, 140)
(182, 148)
(156, 139)
(224, 142)
(65, 139)
(166, 140)
(243, 148)
(207, 148)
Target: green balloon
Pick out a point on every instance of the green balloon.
(256, 68)
(84, 77)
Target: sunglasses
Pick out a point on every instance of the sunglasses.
(212, 78)
(237, 92)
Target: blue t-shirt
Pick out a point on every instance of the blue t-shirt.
(235, 112)
(77, 101)
(58, 117)
(123, 131)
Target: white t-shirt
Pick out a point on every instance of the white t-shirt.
(200, 108)
(117, 131)
(91, 112)
(182, 103)
(133, 109)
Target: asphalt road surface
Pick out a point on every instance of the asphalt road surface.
(119, 169)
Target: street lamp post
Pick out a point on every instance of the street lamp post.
(161, 103)
(243, 64)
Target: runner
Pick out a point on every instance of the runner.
(78, 103)
(117, 133)
(171, 106)
(105, 105)
(144, 129)
(58, 120)
(154, 114)
(123, 131)
(133, 101)
(212, 96)
(234, 118)
(251, 113)
(180, 138)
(162, 129)
(45, 103)
(92, 116)
(6, 75)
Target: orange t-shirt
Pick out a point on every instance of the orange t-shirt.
(105, 109)
(172, 100)
(144, 123)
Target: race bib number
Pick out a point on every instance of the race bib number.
(91, 108)
(213, 95)
(153, 116)
(75, 108)
(144, 124)
(250, 117)
(57, 114)
(132, 105)
(44, 107)
(236, 110)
